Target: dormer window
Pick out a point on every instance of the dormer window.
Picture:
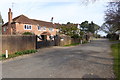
(27, 27)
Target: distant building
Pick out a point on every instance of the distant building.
(21, 24)
(118, 32)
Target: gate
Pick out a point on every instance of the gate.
(46, 43)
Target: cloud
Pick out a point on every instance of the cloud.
(61, 11)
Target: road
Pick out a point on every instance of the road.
(91, 60)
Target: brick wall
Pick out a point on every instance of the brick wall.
(66, 40)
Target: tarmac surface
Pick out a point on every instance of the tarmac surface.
(91, 60)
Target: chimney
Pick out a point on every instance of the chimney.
(9, 16)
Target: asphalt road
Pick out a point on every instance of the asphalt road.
(91, 60)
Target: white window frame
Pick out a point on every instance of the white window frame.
(51, 29)
(40, 28)
(44, 28)
(27, 27)
(4, 29)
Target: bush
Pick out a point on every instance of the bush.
(75, 36)
(3, 55)
(26, 52)
(19, 53)
(113, 36)
(28, 33)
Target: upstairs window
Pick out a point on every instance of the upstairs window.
(27, 27)
(39, 28)
(51, 29)
(44, 28)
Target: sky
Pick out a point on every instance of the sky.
(62, 11)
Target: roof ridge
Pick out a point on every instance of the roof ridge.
(40, 20)
(19, 17)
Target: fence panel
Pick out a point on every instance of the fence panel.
(14, 43)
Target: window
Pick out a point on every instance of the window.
(51, 29)
(44, 28)
(39, 28)
(27, 27)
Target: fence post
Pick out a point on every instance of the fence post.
(6, 54)
(81, 41)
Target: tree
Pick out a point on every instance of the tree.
(84, 25)
(112, 16)
(1, 22)
(107, 28)
(69, 29)
(93, 27)
(89, 27)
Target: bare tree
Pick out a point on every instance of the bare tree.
(112, 15)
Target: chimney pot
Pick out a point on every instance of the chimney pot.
(9, 9)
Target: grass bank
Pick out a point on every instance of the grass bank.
(3, 56)
(116, 55)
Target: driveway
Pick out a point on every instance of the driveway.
(91, 60)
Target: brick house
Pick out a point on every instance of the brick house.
(21, 24)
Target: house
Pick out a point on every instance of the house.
(22, 23)
(118, 33)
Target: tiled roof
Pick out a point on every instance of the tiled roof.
(25, 20)
(57, 25)
(43, 23)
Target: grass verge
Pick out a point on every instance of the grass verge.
(84, 42)
(3, 57)
(116, 55)
(71, 44)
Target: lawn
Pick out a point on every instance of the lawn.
(116, 55)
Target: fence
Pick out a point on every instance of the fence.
(14, 43)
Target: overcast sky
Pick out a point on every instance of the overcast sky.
(63, 11)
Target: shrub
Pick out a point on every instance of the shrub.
(33, 51)
(26, 52)
(19, 53)
(3, 55)
(75, 36)
(28, 33)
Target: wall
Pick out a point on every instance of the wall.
(14, 43)
(66, 40)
